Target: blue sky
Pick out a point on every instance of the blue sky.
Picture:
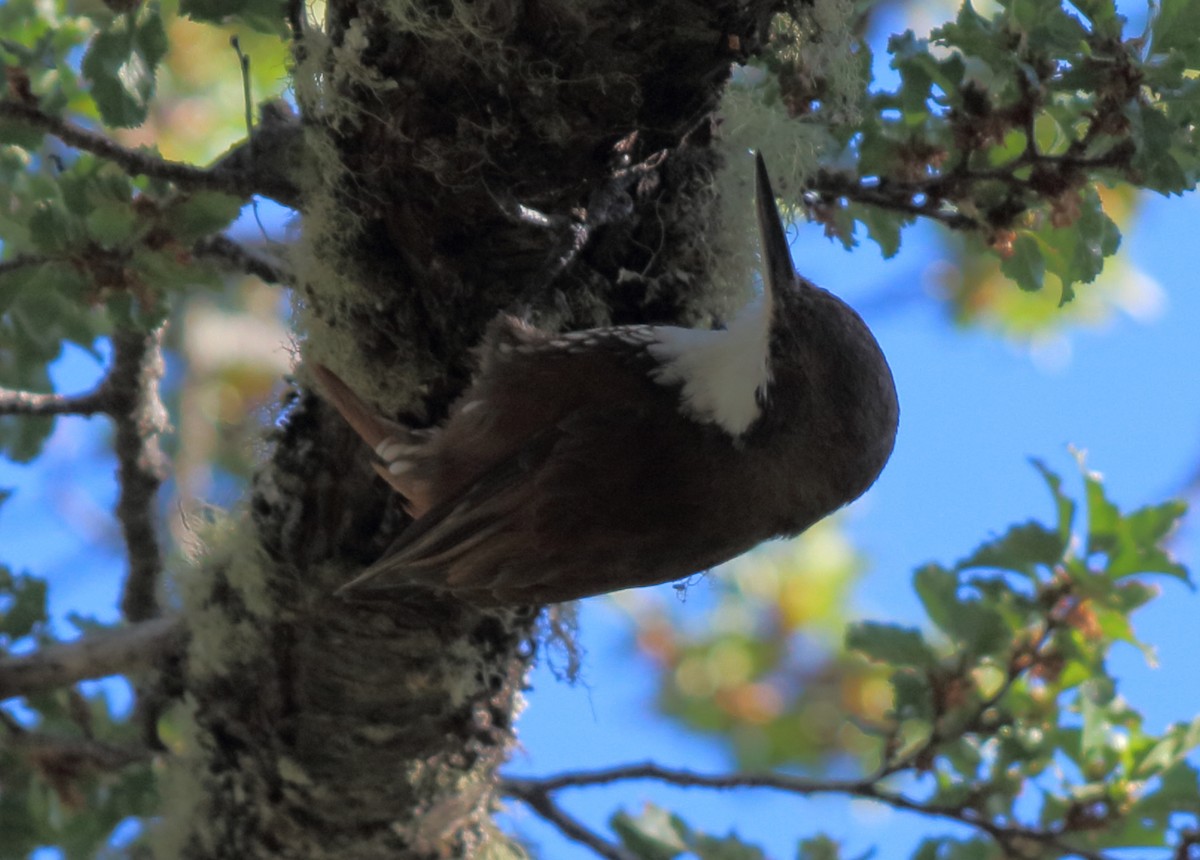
(974, 408)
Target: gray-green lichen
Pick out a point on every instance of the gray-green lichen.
(814, 52)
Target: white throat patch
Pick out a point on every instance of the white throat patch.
(722, 371)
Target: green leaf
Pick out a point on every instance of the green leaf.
(267, 16)
(1103, 516)
(1023, 548)
(111, 223)
(820, 847)
(654, 835)
(201, 214)
(1133, 543)
(121, 64)
(729, 847)
(1097, 737)
(946, 848)
(1180, 740)
(1178, 792)
(972, 624)
(883, 227)
(52, 228)
(1025, 264)
(890, 643)
(912, 697)
(22, 604)
(1064, 506)
(1177, 27)
(1155, 156)
(1048, 27)
(1088, 242)
(1102, 14)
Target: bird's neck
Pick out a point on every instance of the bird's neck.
(723, 374)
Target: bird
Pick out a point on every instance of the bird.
(592, 461)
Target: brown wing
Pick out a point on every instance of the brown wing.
(606, 499)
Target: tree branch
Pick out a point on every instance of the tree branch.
(23, 261)
(538, 799)
(140, 417)
(1005, 835)
(237, 257)
(241, 176)
(67, 756)
(97, 655)
(31, 403)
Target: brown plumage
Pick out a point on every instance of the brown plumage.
(616, 457)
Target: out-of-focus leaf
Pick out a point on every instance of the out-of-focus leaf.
(653, 835)
(200, 214)
(22, 604)
(122, 62)
(264, 15)
(890, 643)
(973, 624)
(1177, 27)
(1025, 264)
(1024, 548)
(1064, 506)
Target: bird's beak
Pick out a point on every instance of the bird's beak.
(778, 272)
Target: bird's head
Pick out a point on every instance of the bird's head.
(826, 375)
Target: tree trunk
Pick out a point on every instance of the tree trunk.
(551, 158)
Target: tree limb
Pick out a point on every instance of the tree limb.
(32, 403)
(237, 257)
(140, 417)
(538, 799)
(96, 655)
(241, 176)
(1007, 835)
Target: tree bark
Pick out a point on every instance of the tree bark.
(550, 157)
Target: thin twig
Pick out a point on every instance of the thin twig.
(129, 395)
(230, 175)
(135, 162)
(867, 789)
(140, 417)
(941, 193)
(97, 655)
(32, 403)
(538, 799)
(67, 756)
(24, 261)
(238, 257)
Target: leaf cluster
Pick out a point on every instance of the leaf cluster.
(62, 786)
(1007, 717)
(1003, 126)
(1004, 717)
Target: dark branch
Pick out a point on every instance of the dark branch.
(939, 197)
(538, 799)
(97, 655)
(34, 403)
(23, 261)
(237, 257)
(242, 177)
(140, 417)
(60, 757)
(869, 789)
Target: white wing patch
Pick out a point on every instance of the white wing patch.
(722, 371)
